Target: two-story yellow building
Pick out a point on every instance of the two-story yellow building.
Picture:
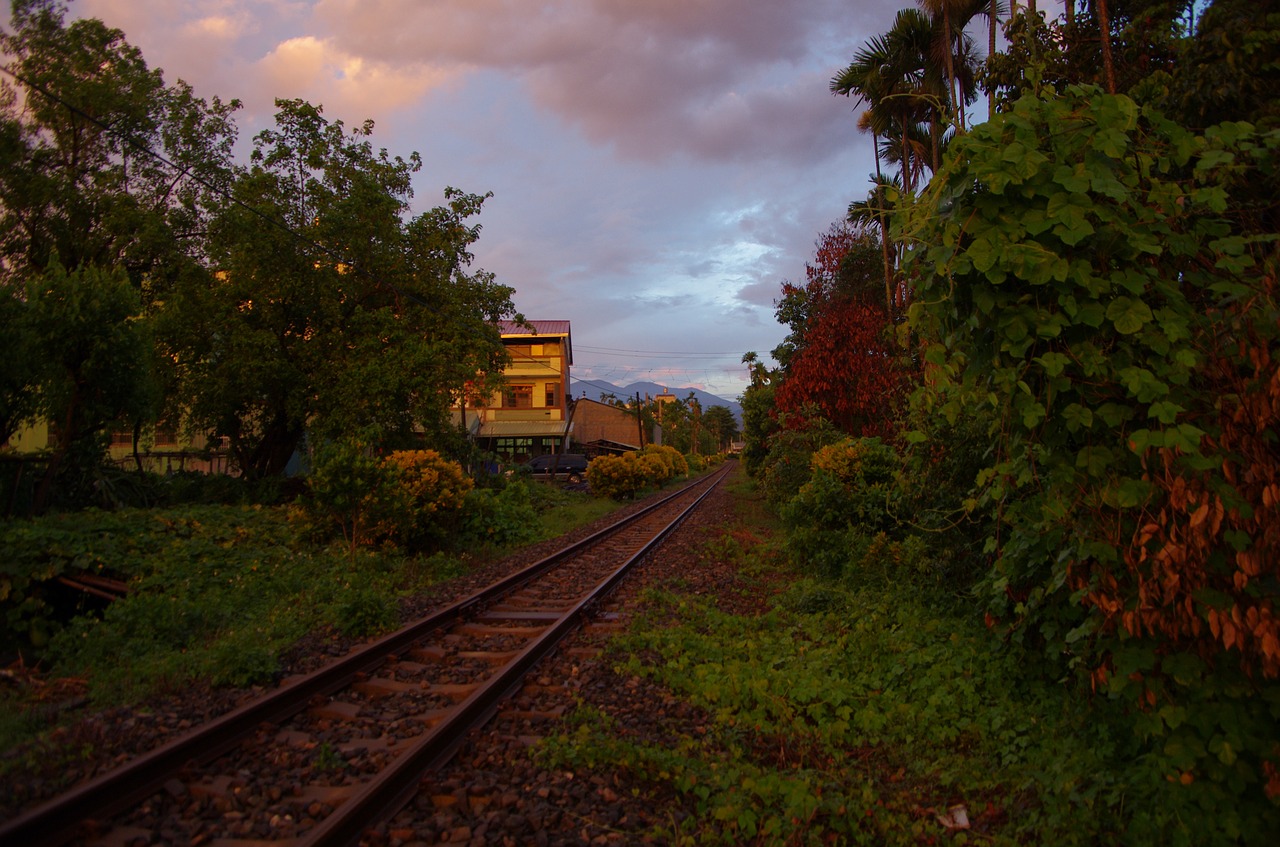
(529, 417)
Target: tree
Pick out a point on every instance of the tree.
(331, 313)
(91, 366)
(849, 371)
(840, 359)
(758, 419)
(843, 267)
(83, 125)
(950, 17)
(903, 89)
(102, 166)
(878, 209)
(18, 357)
(722, 425)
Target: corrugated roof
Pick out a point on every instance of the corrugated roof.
(539, 328)
(520, 429)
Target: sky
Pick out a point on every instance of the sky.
(658, 167)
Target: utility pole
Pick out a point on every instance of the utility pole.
(640, 419)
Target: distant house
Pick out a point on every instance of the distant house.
(159, 449)
(529, 416)
(600, 428)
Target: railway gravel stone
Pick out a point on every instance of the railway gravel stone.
(494, 792)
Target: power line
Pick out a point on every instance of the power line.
(657, 353)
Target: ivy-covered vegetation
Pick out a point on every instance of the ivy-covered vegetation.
(1081, 294)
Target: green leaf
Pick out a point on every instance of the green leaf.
(1053, 363)
(1094, 460)
(1132, 493)
(981, 254)
(1165, 411)
(1077, 417)
(1091, 314)
(1128, 315)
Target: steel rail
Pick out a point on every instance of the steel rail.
(388, 792)
(60, 818)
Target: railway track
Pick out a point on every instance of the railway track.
(404, 703)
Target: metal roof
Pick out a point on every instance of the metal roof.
(539, 328)
(519, 429)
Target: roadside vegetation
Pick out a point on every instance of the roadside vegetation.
(870, 708)
(218, 593)
(1017, 457)
(1054, 430)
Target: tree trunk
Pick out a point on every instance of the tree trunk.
(991, 51)
(1104, 26)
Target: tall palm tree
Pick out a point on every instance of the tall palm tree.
(993, 25)
(950, 18)
(893, 75)
(876, 209)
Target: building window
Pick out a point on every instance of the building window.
(122, 438)
(553, 394)
(518, 397)
(166, 438)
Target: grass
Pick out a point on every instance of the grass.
(218, 593)
(868, 715)
(561, 511)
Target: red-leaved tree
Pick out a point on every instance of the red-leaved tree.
(840, 359)
(850, 369)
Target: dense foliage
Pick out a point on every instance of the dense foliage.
(622, 477)
(1084, 270)
(1090, 448)
(297, 294)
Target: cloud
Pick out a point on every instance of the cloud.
(649, 78)
(319, 71)
(219, 27)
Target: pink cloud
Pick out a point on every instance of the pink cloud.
(648, 77)
(321, 72)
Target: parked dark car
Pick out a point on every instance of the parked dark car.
(571, 467)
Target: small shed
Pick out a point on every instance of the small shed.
(601, 428)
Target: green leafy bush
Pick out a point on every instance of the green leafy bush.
(844, 521)
(349, 488)
(1105, 281)
(786, 466)
(500, 517)
(364, 611)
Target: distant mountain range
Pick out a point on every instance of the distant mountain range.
(594, 388)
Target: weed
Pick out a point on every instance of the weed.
(326, 758)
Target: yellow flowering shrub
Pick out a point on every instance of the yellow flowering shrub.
(433, 483)
(425, 500)
(653, 469)
(675, 461)
(619, 477)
